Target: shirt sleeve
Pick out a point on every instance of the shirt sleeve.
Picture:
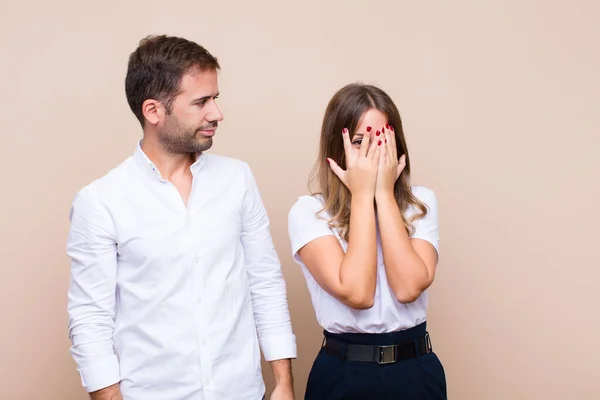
(91, 296)
(304, 225)
(267, 285)
(427, 228)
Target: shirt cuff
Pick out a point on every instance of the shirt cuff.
(101, 374)
(278, 347)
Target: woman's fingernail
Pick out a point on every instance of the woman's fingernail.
(386, 140)
(368, 129)
(379, 143)
(383, 130)
(378, 133)
(344, 130)
(387, 125)
(328, 162)
(391, 128)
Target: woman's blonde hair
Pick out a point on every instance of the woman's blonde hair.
(345, 110)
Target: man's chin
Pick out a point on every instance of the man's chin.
(203, 144)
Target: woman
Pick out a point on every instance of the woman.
(368, 246)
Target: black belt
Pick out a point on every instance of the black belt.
(378, 354)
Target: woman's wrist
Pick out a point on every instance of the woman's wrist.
(382, 195)
(363, 198)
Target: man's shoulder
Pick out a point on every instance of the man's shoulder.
(230, 170)
(108, 185)
(221, 161)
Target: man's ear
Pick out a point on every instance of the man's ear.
(153, 111)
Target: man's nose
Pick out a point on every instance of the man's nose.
(215, 113)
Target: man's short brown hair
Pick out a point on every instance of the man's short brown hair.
(156, 67)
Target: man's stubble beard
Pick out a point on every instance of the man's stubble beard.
(177, 139)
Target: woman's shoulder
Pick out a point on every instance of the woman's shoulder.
(424, 194)
(307, 220)
(307, 203)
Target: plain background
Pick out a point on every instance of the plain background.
(500, 107)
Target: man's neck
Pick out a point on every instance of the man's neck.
(170, 166)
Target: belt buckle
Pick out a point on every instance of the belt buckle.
(387, 354)
(428, 346)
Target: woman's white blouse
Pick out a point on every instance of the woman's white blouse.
(387, 313)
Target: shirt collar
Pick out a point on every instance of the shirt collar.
(142, 160)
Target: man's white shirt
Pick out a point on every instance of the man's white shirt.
(175, 302)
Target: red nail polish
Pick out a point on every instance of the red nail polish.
(386, 140)
(368, 129)
(378, 133)
(328, 162)
(344, 130)
(379, 143)
(387, 126)
(391, 128)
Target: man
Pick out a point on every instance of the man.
(175, 282)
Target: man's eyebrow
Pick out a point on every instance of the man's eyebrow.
(201, 99)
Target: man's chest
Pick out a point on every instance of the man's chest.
(156, 229)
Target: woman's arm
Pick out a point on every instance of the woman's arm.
(410, 264)
(349, 277)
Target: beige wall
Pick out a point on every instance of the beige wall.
(500, 104)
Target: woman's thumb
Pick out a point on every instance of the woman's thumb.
(335, 168)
